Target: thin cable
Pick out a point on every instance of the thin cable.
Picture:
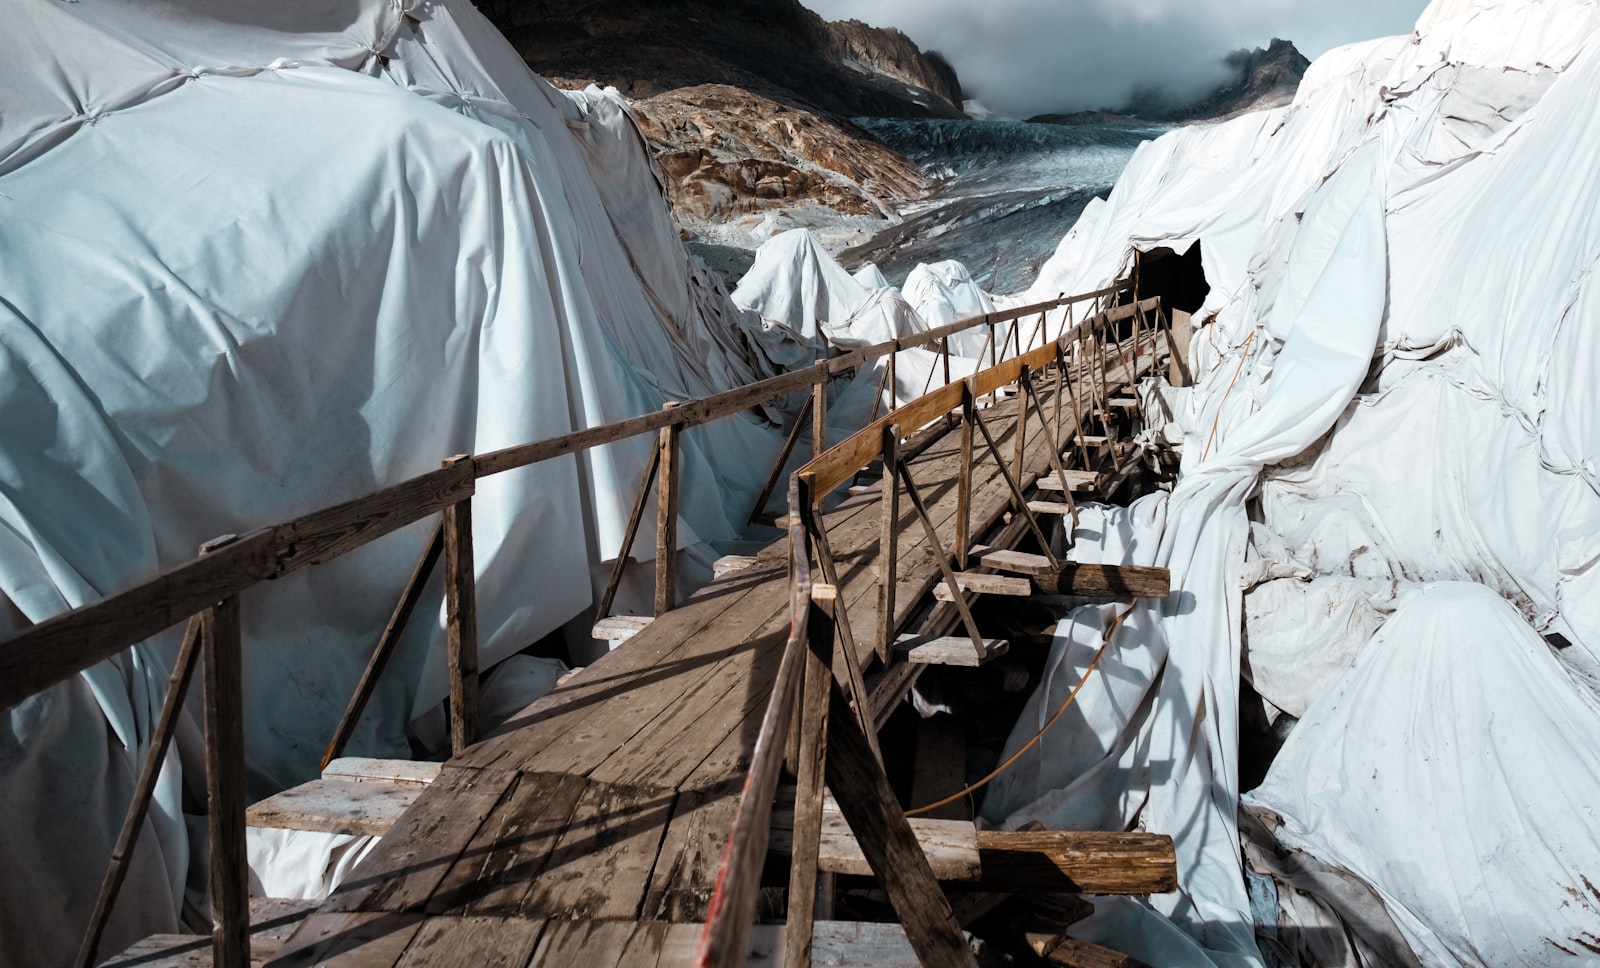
(1243, 357)
(1110, 634)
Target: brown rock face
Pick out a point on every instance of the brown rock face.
(745, 103)
(726, 153)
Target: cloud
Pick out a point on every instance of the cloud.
(1025, 57)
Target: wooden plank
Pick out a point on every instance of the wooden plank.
(948, 650)
(490, 873)
(473, 942)
(1078, 862)
(950, 846)
(667, 517)
(1081, 481)
(728, 564)
(222, 678)
(362, 768)
(461, 623)
(860, 944)
(600, 867)
(1106, 581)
(1072, 953)
(1051, 507)
(621, 628)
(686, 869)
(336, 806)
(406, 867)
(583, 944)
(1017, 562)
(809, 768)
(349, 940)
(985, 584)
(272, 921)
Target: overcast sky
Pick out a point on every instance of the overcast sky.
(1024, 57)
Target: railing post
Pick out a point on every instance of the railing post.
(1021, 449)
(889, 541)
(813, 752)
(964, 478)
(461, 620)
(223, 687)
(667, 518)
(894, 395)
(819, 417)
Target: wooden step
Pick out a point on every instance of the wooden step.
(948, 650)
(1125, 403)
(1017, 562)
(1081, 482)
(950, 845)
(354, 795)
(728, 564)
(983, 584)
(620, 628)
(1051, 507)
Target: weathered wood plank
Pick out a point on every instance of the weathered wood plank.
(950, 846)
(985, 584)
(362, 769)
(686, 871)
(949, 650)
(222, 678)
(406, 867)
(1081, 481)
(620, 628)
(1078, 862)
(600, 867)
(510, 848)
(349, 940)
(473, 943)
(1106, 581)
(1017, 562)
(1072, 953)
(461, 622)
(336, 806)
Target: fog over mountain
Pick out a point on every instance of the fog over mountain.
(1026, 57)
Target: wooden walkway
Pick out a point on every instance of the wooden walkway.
(588, 831)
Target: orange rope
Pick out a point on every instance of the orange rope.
(1218, 418)
(1110, 634)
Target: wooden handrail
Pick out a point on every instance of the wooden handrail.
(51, 651)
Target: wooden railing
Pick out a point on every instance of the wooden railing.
(823, 722)
(206, 592)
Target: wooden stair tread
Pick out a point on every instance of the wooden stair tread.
(985, 584)
(1079, 481)
(1050, 507)
(336, 805)
(1018, 562)
(620, 628)
(948, 650)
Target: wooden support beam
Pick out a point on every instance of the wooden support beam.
(1077, 862)
(387, 642)
(812, 755)
(888, 543)
(641, 500)
(1105, 581)
(222, 680)
(984, 584)
(667, 519)
(869, 806)
(461, 621)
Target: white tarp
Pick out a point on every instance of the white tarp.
(257, 259)
(1404, 257)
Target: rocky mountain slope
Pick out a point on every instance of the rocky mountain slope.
(745, 105)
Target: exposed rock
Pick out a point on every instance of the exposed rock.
(745, 104)
(739, 167)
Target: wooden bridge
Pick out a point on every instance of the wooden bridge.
(636, 815)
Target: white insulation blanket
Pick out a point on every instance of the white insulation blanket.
(1396, 367)
(257, 259)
